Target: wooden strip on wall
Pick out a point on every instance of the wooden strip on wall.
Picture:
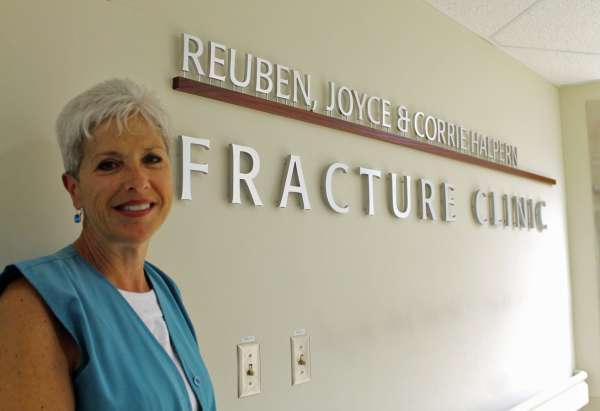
(246, 100)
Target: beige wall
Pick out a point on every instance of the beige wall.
(402, 314)
(579, 114)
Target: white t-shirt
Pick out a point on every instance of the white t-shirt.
(146, 306)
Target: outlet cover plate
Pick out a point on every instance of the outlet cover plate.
(248, 356)
(301, 361)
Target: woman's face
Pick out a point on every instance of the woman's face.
(124, 184)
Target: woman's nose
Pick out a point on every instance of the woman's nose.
(137, 178)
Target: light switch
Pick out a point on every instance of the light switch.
(300, 359)
(248, 356)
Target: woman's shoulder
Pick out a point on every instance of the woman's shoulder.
(28, 295)
(21, 307)
(21, 302)
(19, 287)
(30, 266)
(64, 253)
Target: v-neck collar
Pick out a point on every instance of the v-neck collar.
(159, 296)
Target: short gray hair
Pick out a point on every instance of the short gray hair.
(115, 99)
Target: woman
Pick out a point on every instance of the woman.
(94, 326)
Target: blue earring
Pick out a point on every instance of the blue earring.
(77, 216)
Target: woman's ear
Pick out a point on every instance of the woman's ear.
(72, 186)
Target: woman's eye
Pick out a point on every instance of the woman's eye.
(152, 159)
(107, 165)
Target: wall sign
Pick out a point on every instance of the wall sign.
(258, 83)
(221, 64)
(434, 201)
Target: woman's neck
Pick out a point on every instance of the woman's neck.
(121, 264)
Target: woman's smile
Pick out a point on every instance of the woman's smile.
(135, 208)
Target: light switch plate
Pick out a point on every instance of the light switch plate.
(248, 356)
(301, 366)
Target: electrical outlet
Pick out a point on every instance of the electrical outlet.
(248, 356)
(300, 359)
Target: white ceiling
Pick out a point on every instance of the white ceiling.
(559, 39)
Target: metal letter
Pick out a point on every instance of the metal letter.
(340, 101)
(515, 211)
(248, 178)
(514, 156)
(538, 216)
(463, 139)
(281, 80)
(370, 173)
(264, 75)
(506, 210)
(530, 215)
(441, 127)
(187, 53)
(425, 199)
(187, 166)
(430, 120)
(451, 140)
(370, 110)
(502, 153)
(214, 60)
(475, 143)
(447, 202)
(519, 208)
(405, 196)
(483, 151)
(360, 103)
(475, 200)
(232, 65)
(331, 105)
(294, 166)
(329, 190)
(496, 146)
(403, 119)
(418, 132)
(305, 89)
(385, 113)
(494, 215)
(508, 155)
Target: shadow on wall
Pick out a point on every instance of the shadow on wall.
(592, 109)
(36, 210)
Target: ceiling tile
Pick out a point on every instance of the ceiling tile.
(572, 25)
(559, 68)
(484, 17)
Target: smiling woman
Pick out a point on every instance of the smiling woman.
(123, 184)
(95, 326)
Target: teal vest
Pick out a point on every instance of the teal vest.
(123, 366)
